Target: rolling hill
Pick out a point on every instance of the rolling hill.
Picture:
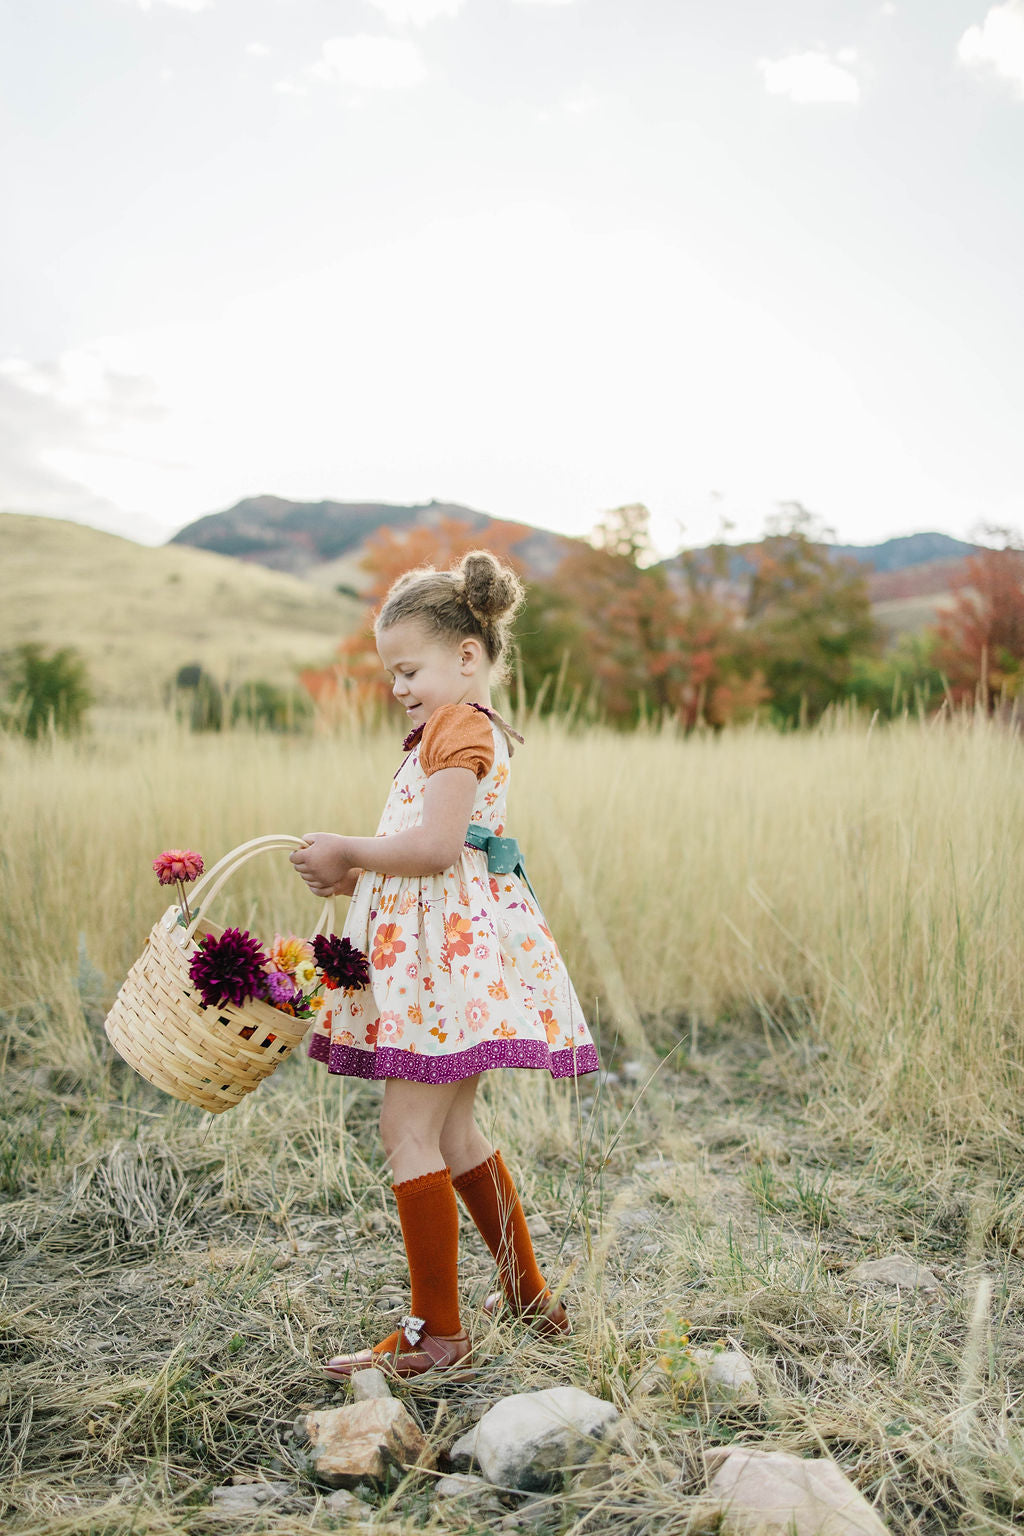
(137, 613)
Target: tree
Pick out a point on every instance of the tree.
(356, 683)
(46, 691)
(807, 615)
(980, 638)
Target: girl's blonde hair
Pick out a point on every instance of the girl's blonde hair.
(480, 597)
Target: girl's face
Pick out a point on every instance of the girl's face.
(427, 670)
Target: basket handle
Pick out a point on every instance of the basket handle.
(211, 882)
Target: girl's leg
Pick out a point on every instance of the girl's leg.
(411, 1121)
(489, 1193)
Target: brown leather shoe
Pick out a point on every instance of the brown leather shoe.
(435, 1352)
(543, 1315)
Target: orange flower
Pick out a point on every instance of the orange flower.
(504, 1031)
(528, 944)
(498, 990)
(458, 935)
(415, 1014)
(387, 946)
(550, 1023)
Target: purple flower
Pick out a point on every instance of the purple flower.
(345, 968)
(229, 969)
(280, 989)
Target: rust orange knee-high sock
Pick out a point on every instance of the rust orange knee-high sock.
(491, 1199)
(430, 1228)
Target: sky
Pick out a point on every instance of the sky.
(538, 257)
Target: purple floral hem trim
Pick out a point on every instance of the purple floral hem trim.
(388, 1061)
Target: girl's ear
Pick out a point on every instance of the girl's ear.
(471, 654)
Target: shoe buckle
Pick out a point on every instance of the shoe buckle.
(413, 1328)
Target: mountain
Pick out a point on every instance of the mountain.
(911, 549)
(323, 541)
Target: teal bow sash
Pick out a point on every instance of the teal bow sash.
(503, 855)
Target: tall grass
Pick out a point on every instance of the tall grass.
(835, 910)
(859, 888)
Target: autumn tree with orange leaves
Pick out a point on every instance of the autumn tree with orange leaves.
(356, 682)
(980, 637)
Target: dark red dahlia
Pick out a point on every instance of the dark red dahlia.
(229, 969)
(345, 968)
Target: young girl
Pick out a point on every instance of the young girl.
(465, 976)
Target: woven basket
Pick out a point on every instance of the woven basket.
(211, 1057)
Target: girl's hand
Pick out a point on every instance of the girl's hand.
(323, 865)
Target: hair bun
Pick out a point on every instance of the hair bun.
(490, 590)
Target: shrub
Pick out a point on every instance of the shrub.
(45, 691)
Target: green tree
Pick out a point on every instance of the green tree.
(46, 691)
(808, 615)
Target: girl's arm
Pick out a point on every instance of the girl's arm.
(327, 861)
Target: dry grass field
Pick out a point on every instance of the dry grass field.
(808, 946)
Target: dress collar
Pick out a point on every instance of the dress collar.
(413, 738)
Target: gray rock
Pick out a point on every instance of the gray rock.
(537, 1226)
(248, 1498)
(369, 1384)
(341, 1502)
(635, 1071)
(476, 1492)
(771, 1493)
(459, 1485)
(531, 1440)
(908, 1274)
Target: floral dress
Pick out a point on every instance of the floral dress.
(464, 973)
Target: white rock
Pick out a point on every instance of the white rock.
(529, 1440)
(894, 1270)
(771, 1493)
(635, 1071)
(369, 1384)
(728, 1378)
(537, 1226)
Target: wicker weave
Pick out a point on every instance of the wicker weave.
(211, 1057)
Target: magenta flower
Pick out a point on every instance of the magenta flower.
(178, 865)
(345, 968)
(230, 969)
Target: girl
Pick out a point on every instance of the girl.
(465, 976)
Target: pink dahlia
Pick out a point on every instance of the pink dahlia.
(230, 969)
(178, 864)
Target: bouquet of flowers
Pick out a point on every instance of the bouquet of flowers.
(235, 968)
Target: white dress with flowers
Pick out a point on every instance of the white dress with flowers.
(464, 973)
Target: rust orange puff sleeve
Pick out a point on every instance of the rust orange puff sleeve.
(457, 736)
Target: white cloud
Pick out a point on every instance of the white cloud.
(258, 50)
(811, 77)
(373, 63)
(176, 5)
(997, 44)
(59, 422)
(416, 13)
